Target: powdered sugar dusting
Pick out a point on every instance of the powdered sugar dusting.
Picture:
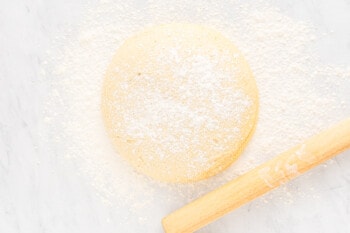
(191, 111)
(294, 87)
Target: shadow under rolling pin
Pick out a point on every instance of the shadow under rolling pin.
(260, 180)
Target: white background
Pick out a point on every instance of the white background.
(39, 194)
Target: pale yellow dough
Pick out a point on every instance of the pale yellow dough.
(179, 102)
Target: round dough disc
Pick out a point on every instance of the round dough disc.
(179, 102)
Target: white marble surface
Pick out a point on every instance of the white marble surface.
(39, 194)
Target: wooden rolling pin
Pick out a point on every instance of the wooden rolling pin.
(260, 180)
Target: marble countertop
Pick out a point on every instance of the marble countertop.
(38, 194)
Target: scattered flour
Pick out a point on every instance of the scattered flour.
(295, 101)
